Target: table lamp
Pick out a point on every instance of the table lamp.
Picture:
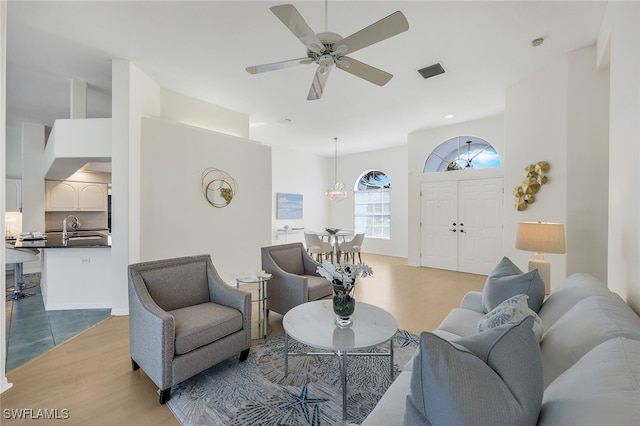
(541, 237)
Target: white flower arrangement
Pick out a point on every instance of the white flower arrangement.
(344, 275)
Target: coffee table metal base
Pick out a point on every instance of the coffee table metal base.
(342, 356)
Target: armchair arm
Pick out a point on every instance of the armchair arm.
(310, 265)
(224, 294)
(286, 290)
(151, 334)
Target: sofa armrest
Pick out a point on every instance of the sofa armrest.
(151, 334)
(472, 301)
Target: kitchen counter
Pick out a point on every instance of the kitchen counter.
(74, 274)
(78, 239)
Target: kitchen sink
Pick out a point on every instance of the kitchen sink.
(85, 235)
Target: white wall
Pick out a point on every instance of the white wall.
(621, 32)
(296, 172)
(194, 112)
(134, 96)
(178, 220)
(556, 115)
(391, 161)
(4, 383)
(13, 151)
(421, 143)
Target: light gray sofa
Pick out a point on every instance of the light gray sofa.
(590, 354)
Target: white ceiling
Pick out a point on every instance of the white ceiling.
(202, 48)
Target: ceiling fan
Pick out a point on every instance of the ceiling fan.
(327, 49)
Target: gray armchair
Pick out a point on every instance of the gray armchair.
(295, 280)
(183, 319)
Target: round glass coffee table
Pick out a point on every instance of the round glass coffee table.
(313, 324)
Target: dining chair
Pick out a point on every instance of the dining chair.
(315, 245)
(351, 247)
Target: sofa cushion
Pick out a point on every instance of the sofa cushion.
(289, 259)
(565, 295)
(514, 309)
(461, 322)
(202, 324)
(602, 388)
(491, 378)
(590, 322)
(498, 289)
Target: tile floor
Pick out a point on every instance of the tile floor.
(31, 330)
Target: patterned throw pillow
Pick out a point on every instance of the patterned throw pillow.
(512, 310)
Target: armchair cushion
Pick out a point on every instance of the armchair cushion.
(318, 287)
(202, 324)
(178, 286)
(289, 259)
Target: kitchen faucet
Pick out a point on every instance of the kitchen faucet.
(75, 225)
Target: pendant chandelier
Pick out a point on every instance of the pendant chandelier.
(336, 191)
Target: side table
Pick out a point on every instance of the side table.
(261, 330)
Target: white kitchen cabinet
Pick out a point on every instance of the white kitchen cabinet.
(13, 195)
(64, 196)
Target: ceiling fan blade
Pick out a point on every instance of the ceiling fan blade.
(318, 83)
(390, 26)
(362, 70)
(256, 69)
(290, 16)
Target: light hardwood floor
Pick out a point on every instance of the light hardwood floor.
(91, 377)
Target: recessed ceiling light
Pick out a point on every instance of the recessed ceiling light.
(537, 42)
(448, 116)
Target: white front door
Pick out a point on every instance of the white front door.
(439, 225)
(462, 225)
(480, 215)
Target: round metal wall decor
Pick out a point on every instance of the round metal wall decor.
(218, 187)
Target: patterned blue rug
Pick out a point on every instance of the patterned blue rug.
(256, 392)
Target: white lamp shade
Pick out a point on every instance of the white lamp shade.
(541, 237)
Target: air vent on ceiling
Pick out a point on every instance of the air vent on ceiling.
(431, 71)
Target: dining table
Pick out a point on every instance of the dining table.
(334, 236)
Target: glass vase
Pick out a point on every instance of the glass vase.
(343, 306)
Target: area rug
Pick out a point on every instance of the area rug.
(256, 392)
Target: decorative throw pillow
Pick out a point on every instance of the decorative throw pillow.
(505, 268)
(512, 310)
(499, 288)
(490, 378)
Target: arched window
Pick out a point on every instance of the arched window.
(372, 205)
(462, 153)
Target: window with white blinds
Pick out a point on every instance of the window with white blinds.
(372, 213)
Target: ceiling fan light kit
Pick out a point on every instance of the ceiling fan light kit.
(327, 49)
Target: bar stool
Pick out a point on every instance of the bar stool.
(18, 257)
